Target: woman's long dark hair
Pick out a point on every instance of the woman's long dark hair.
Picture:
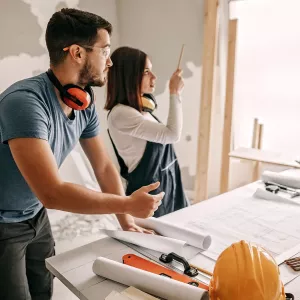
(125, 78)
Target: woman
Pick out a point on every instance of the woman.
(143, 144)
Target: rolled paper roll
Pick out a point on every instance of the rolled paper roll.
(156, 285)
(281, 178)
(150, 241)
(194, 237)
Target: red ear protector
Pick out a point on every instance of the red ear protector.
(149, 103)
(73, 95)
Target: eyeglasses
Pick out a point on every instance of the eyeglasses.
(105, 51)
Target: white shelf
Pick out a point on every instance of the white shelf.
(265, 156)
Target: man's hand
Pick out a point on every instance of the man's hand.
(143, 205)
(136, 228)
(128, 224)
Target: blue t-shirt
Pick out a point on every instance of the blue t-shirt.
(30, 108)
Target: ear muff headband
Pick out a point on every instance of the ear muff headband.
(73, 95)
(149, 103)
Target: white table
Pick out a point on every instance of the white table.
(74, 268)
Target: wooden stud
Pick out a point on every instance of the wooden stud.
(227, 127)
(208, 66)
(255, 134)
(259, 146)
(260, 135)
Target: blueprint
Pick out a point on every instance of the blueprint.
(273, 225)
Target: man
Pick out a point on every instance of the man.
(38, 129)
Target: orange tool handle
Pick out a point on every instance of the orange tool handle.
(146, 265)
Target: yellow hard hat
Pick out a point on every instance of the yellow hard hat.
(245, 271)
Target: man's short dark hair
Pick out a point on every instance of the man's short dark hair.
(72, 26)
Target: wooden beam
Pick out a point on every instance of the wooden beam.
(259, 146)
(254, 145)
(255, 134)
(260, 135)
(227, 127)
(208, 66)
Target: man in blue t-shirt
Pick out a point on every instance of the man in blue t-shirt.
(41, 120)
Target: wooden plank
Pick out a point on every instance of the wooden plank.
(227, 127)
(255, 133)
(264, 156)
(254, 145)
(260, 135)
(255, 175)
(208, 65)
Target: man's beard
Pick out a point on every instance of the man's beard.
(87, 78)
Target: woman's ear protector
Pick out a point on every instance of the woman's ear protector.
(149, 103)
(73, 95)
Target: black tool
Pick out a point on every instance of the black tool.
(272, 188)
(289, 296)
(293, 192)
(188, 270)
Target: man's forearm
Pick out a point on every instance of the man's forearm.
(110, 182)
(78, 199)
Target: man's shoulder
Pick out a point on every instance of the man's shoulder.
(34, 85)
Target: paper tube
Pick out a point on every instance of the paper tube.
(284, 179)
(266, 195)
(193, 237)
(150, 241)
(148, 282)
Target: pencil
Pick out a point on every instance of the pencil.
(201, 270)
(181, 53)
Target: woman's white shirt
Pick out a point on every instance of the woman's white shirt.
(130, 130)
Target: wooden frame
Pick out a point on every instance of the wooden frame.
(227, 127)
(255, 133)
(260, 128)
(208, 66)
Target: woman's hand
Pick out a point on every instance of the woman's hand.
(176, 83)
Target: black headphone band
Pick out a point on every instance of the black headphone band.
(55, 81)
(63, 89)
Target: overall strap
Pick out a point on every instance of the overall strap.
(123, 167)
(156, 118)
